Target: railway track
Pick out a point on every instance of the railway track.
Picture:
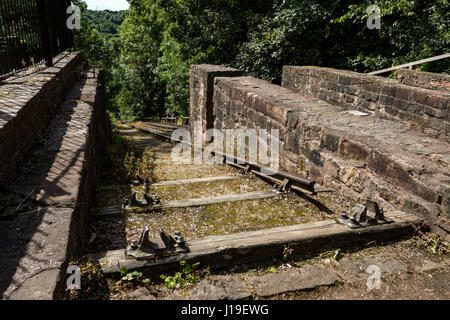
(227, 213)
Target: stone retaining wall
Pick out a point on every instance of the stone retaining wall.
(425, 110)
(201, 90)
(27, 103)
(426, 80)
(61, 178)
(361, 156)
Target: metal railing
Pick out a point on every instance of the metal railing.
(411, 64)
(32, 32)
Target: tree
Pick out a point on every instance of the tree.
(149, 61)
(87, 38)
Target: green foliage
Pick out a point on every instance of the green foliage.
(142, 165)
(178, 280)
(335, 254)
(436, 244)
(88, 39)
(133, 276)
(410, 30)
(292, 34)
(130, 164)
(159, 40)
(174, 71)
(106, 22)
(113, 159)
(272, 269)
(148, 58)
(287, 253)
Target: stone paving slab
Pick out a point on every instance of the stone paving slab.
(220, 288)
(175, 297)
(352, 271)
(140, 294)
(206, 290)
(429, 265)
(33, 247)
(308, 277)
(318, 277)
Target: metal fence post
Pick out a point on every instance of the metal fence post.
(70, 33)
(45, 34)
(32, 32)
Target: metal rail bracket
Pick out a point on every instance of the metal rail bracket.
(140, 181)
(285, 185)
(164, 246)
(149, 202)
(359, 218)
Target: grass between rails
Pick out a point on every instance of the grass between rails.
(218, 219)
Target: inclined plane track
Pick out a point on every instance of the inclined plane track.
(224, 210)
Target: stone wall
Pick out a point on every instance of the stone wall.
(361, 156)
(201, 90)
(426, 80)
(425, 110)
(27, 103)
(60, 177)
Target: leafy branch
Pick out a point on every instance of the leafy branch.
(179, 279)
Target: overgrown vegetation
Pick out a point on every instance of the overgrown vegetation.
(93, 284)
(148, 64)
(106, 22)
(140, 165)
(113, 161)
(179, 279)
(89, 40)
(134, 276)
(436, 244)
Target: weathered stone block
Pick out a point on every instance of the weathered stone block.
(372, 93)
(202, 91)
(324, 144)
(353, 150)
(427, 80)
(29, 107)
(293, 118)
(329, 141)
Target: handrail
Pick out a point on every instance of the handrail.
(411, 64)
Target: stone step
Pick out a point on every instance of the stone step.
(310, 275)
(299, 277)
